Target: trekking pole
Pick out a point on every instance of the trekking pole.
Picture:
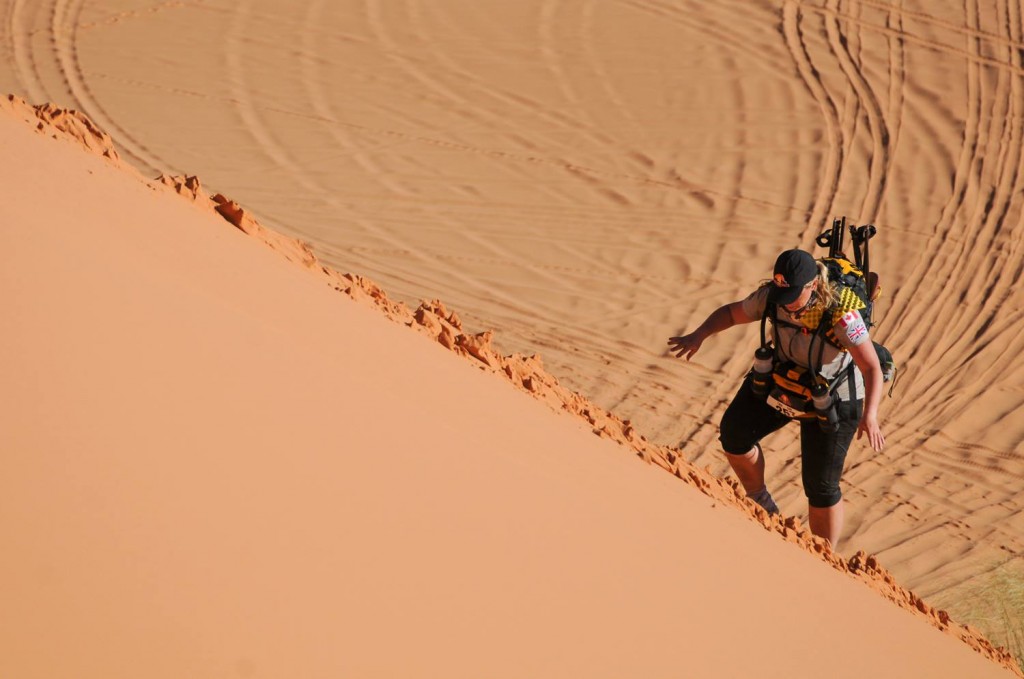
(856, 237)
(867, 232)
(838, 234)
(861, 235)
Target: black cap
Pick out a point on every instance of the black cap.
(793, 270)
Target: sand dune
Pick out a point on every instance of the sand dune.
(589, 178)
(217, 465)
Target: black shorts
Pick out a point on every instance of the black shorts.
(748, 419)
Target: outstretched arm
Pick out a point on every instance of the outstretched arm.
(722, 318)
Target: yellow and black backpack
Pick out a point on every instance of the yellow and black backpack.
(858, 289)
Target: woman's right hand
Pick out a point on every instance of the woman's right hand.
(687, 344)
(720, 319)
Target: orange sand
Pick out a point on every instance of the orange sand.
(219, 465)
(589, 178)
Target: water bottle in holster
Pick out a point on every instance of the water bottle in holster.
(824, 407)
(761, 375)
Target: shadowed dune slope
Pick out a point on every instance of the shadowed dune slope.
(216, 465)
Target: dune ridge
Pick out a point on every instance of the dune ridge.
(526, 373)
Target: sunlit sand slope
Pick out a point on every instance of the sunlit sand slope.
(588, 178)
(217, 465)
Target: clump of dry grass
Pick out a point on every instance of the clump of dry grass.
(994, 603)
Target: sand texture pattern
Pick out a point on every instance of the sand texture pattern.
(217, 465)
(588, 178)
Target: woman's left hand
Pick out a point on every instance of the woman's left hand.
(869, 425)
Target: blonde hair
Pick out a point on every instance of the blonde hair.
(827, 294)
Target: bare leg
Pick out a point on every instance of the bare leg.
(827, 522)
(749, 469)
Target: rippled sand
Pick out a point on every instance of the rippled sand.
(588, 178)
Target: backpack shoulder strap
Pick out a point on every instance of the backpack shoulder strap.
(770, 313)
